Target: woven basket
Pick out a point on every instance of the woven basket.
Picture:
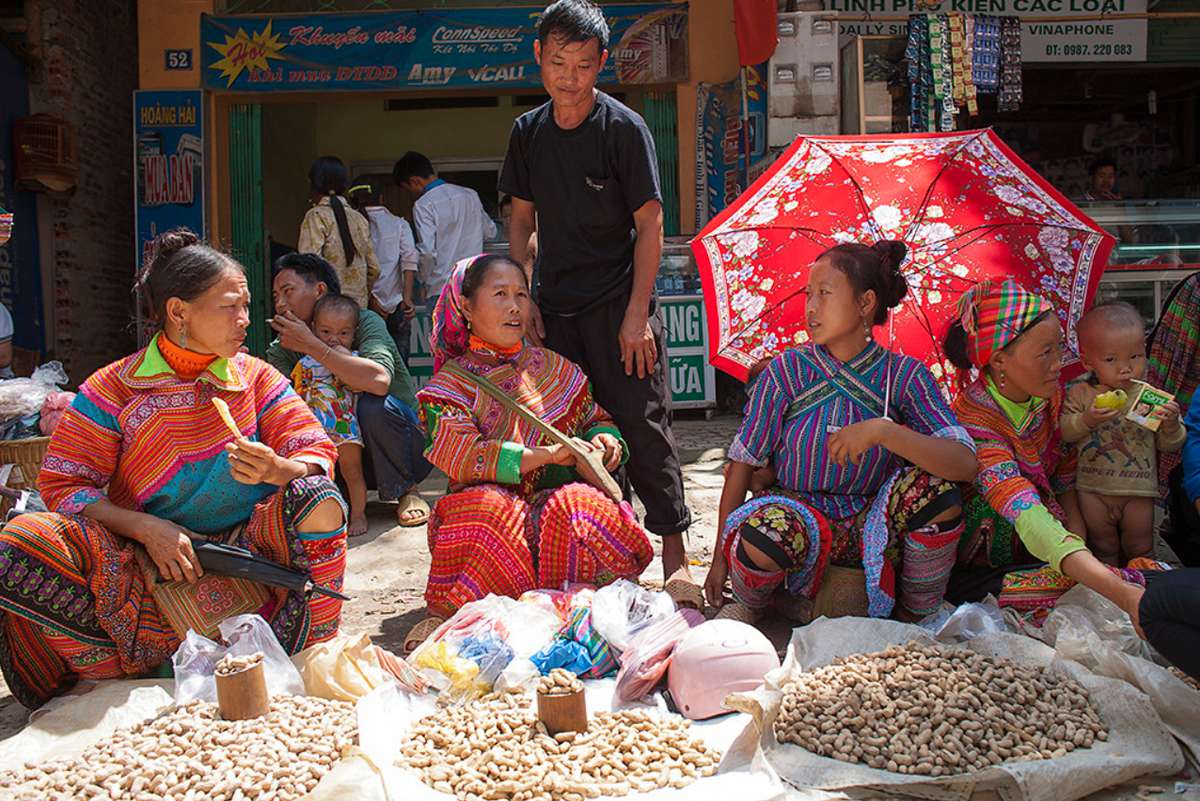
(27, 455)
(843, 592)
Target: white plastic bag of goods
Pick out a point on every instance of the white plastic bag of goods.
(69, 724)
(1139, 743)
(386, 715)
(1090, 629)
(195, 660)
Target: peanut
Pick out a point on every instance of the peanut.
(620, 753)
(190, 753)
(935, 710)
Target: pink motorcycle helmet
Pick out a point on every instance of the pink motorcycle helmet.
(715, 659)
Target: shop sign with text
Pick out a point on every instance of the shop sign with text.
(169, 164)
(1052, 30)
(462, 48)
(720, 142)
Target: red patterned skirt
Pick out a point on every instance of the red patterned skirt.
(487, 539)
(74, 602)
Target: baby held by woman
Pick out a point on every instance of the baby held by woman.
(1117, 475)
(334, 321)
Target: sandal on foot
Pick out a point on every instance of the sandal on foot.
(420, 633)
(684, 591)
(412, 502)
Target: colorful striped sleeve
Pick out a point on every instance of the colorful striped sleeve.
(85, 449)
(460, 450)
(999, 479)
(286, 424)
(764, 417)
(924, 406)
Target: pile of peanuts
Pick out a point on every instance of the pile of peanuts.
(1185, 678)
(191, 754)
(560, 682)
(231, 664)
(495, 749)
(936, 711)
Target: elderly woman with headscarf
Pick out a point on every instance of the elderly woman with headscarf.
(1025, 537)
(516, 517)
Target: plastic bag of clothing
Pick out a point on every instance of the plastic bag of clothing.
(195, 661)
(20, 397)
(645, 661)
(466, 654)
(565, 654)
(561, 602)
(622, 609)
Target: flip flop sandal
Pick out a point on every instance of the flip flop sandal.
(420, 633)
(408, 503)
(738, 612)
(684, 591)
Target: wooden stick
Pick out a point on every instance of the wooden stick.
(588, 463)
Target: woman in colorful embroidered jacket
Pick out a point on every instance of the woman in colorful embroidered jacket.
(1024, 510)
(143, 462)
(865, 450)
(516, 517)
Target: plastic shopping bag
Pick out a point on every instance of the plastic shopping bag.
(622, 609)
(467, 653)
(645, 661)
(195, 661)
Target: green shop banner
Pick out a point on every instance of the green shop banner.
(462, 48)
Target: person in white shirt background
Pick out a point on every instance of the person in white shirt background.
(392, 296)
(450, 221)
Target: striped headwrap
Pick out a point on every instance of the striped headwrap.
(993, 315)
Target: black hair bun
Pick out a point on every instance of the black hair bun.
(171, 242)
(891, 254)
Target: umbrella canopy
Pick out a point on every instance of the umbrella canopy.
(966, 205)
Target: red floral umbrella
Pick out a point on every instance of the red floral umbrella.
(965, 204)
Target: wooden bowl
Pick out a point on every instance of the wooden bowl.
(243, 695)
(560, 713)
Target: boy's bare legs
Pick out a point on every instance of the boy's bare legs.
(350, 465)
(1103, 535)
(1137, 529)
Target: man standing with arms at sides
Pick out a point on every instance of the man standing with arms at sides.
(584, 165)
(450, 221)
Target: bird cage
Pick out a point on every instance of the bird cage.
(45, 153)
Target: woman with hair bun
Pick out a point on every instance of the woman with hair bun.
(333, 230)
(142, 464)
(865, 451)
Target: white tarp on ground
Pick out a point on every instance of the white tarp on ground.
(1088, 628)
(386, 715)
(1139, 743)
(69, 724)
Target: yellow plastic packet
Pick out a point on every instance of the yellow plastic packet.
(460, 673)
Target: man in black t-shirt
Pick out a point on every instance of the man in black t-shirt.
(584, 164)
